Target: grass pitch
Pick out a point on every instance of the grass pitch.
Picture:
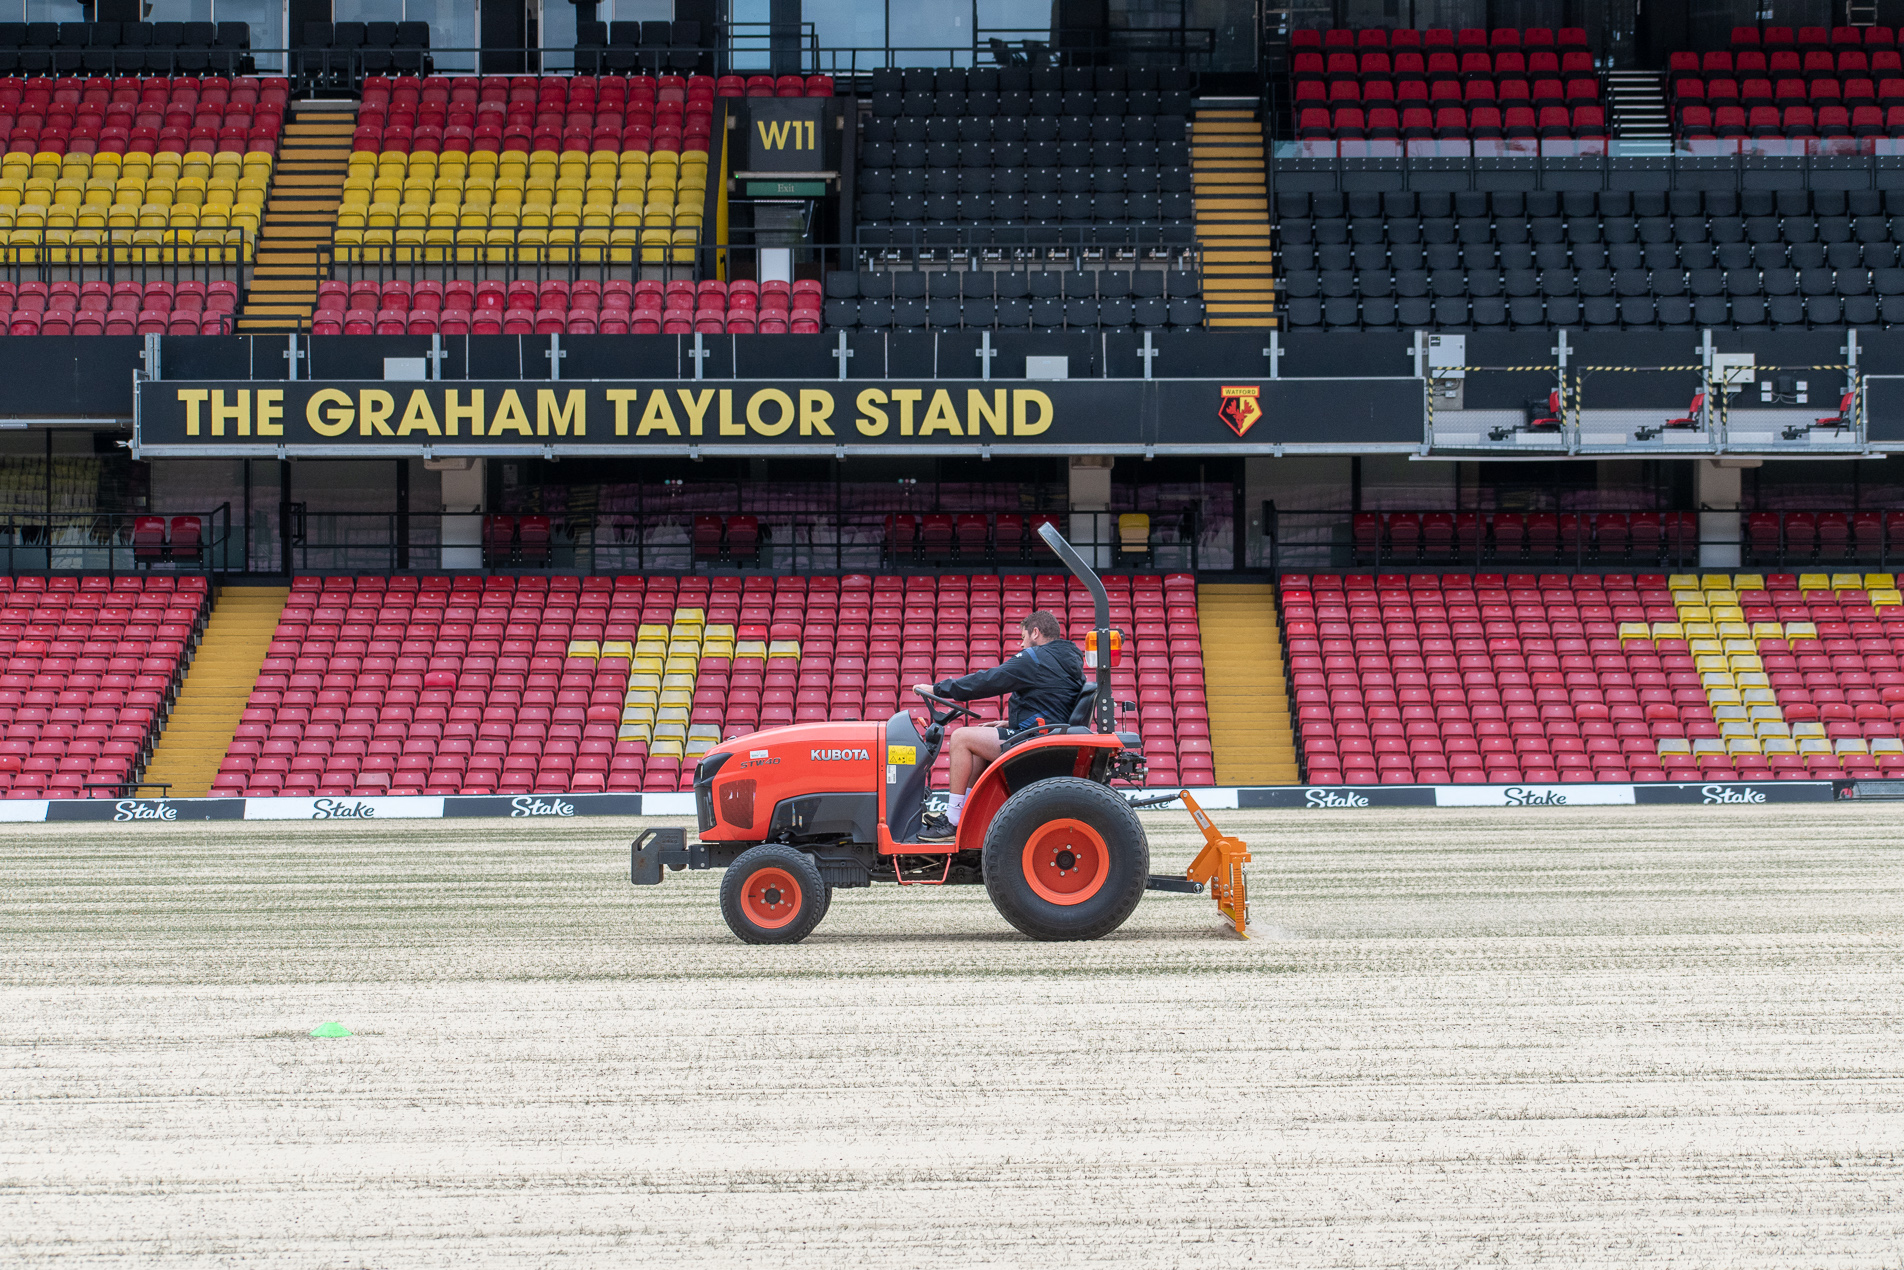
(1569, 1036)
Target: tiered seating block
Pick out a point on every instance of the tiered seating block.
(505, 685)
(1429, 678)
(89, 664)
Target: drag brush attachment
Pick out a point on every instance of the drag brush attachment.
(1221, 865)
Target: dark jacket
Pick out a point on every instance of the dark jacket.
(1045, 682)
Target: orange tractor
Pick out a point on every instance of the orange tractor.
(793, 813)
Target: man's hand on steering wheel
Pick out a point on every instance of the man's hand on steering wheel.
(953, 708)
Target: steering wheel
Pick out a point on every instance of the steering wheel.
(952, 708)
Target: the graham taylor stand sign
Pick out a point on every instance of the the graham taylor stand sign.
(827, 417)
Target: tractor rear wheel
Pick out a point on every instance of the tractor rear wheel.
(773, 894)
(1065, 859)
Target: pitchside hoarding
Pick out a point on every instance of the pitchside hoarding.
(178, 419)
(1289, 797)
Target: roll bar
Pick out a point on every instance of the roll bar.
(1105, 716)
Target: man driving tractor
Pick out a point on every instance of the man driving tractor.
(1045, 678)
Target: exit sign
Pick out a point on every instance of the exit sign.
(786, 189)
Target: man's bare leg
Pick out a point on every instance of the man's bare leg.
(973, 749)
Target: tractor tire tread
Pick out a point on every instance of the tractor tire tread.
(1114, 820)
(815, 894)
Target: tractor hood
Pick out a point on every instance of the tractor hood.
(739, 783)
(807, 742)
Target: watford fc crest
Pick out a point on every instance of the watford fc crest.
(1242, 406)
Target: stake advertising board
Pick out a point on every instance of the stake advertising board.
(160, 811)
(833, 418)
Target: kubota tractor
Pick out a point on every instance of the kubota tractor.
(792, 813)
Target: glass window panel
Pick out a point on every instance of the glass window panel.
(59, 11)
(367, 11)
(182, 11)
(453, 26)
(634, 11)
(556, 35)
(747, 35)
(266, 549)
(847, 24)
(930, 30)
(266, 19)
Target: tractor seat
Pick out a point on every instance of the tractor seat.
(1129, 740)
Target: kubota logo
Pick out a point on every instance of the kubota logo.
(1242, 406)
(839, 756)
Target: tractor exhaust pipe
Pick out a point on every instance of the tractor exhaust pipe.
(1106, 712)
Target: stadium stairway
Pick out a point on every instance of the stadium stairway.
(1249, 699)
(212, 699)
(1226, 155)
(313, 160)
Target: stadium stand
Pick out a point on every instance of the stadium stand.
(125, 48)
(1828, 537)
(647, 307)
(1590, 537)
(340, 55)
(1612, 259)
(652, 47)
(567, 684)
(558, 167)
(157, 170)
(1812, 83)
(1439, 91)
(1015, 158)
(1112, 297)
(1507, 678)
(91, 664)
(123, 308)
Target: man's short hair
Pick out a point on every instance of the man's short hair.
(1045, 624)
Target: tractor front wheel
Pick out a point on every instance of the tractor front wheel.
(1065, 859)
(773, 894)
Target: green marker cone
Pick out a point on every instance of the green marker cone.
(330, 1029)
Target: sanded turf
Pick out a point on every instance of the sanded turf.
(1555, 1036)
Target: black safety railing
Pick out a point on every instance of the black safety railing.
(746, 48)
(1822, 540)
(1060, 243)
(112, 543)
(1297, 539)
(538, 263)
(778, 543)
(50, 255)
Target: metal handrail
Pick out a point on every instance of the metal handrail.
(664, 541)
(574, 263)
(105, 260)
(746, 43)
(1325, 538)
(105, 544)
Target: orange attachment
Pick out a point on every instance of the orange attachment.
(1116, 649)
(1220, 866)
